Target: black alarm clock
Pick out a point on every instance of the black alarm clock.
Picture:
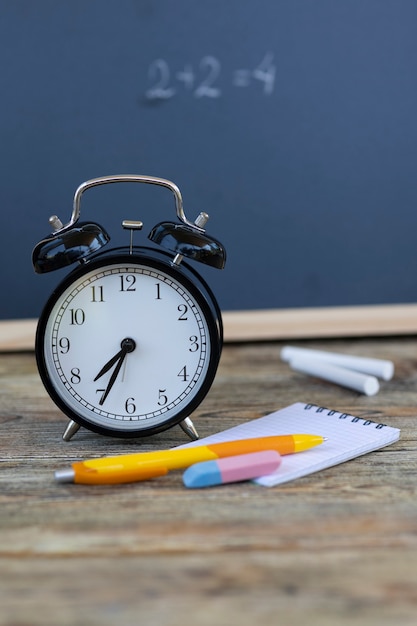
(128, 344)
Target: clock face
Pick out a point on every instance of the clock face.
(127, 345)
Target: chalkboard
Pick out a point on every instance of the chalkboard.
(293, 123)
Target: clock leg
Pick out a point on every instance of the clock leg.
(189, 429)
(70, 430)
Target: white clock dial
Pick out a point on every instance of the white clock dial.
(126, 346)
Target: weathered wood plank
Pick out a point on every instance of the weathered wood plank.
(337, 547)
(376, 588)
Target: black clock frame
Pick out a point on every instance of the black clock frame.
(159, 260)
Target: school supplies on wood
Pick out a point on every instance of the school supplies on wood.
(358, 373)
(347, 436)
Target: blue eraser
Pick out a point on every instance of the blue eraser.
(205, 474)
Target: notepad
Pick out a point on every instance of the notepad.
(347, 437)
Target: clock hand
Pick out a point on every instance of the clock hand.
(109, 364)
(113, 378)
(127, 345)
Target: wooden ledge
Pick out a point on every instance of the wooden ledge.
(306, 323)
(272, 324)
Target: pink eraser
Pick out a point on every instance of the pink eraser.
(232, 469)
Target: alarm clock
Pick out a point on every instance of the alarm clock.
(128, 344)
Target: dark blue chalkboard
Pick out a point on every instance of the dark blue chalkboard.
(293, 123)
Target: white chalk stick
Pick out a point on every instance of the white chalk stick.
(363, 383)
(375, 367)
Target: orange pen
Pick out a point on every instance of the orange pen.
(143, 465)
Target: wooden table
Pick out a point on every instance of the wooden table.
(337, 547)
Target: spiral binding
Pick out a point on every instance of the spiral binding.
(343, 416)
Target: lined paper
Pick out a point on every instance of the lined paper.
(348, 437)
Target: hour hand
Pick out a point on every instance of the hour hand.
(113, 377)
(110, 364)
(127, 345)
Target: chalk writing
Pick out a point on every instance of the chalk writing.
(207, 78)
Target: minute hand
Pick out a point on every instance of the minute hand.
(110, 364)
(114, 375)
(127, 345)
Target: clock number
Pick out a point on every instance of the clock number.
(163, 399)
(183, 308)
(127, 283)
(64, 344)
(97, 294)
(130, 406)
(75, 376)
(158, 291)
(194, 344)
(77, 317)
(183, 374)
(102, 391)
